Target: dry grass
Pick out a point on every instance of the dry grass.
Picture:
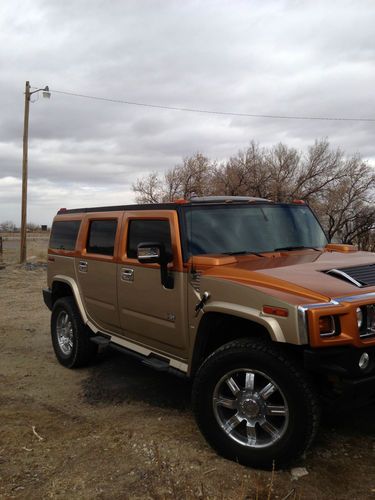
(167, 481)
(37, 245)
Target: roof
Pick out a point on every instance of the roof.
(219, 200)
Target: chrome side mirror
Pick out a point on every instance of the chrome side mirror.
(154, 253)
(148, 254)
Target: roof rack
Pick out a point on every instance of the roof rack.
(168, 205)
(227, 199)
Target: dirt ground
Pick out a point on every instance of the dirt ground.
(121, 430)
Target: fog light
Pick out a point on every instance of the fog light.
(327, 326)
(364, 361)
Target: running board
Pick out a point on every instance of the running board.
(158, 364)
(100, 340)
(154, 361)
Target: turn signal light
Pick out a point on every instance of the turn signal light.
(276, 311)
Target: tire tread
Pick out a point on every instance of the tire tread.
(270, 349)
(85, 351)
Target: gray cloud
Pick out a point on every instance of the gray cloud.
(288, 57)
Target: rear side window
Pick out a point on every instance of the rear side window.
(101, 238)
(142, 231)
(64, 234)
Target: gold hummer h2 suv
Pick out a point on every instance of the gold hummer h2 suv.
(245, 296)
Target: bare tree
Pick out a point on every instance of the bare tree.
(149, 189)
(192, 177)
(244, 174)
(340, 189)
(283, 165)
(7, 226)
(348, 201)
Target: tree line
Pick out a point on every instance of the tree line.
(9, 226)
(339, 188)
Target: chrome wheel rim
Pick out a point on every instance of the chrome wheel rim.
(64, 330)
(250, 408)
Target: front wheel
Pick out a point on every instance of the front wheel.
(253, 405)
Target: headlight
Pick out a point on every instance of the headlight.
(359, 317)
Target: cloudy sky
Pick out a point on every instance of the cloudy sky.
(290, 57)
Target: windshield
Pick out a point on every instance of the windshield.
(254, 228)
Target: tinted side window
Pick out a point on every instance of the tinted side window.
(101, 238)
(142, 231)
(64, 234)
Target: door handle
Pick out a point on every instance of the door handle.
(83, 266)
(127, 274)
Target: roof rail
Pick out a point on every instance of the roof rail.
(227, 199)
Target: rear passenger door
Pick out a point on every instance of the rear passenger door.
(149, 313)
(96, 269)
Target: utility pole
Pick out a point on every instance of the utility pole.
(46, 93)
(24, 173)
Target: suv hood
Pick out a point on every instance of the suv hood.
(300, 273)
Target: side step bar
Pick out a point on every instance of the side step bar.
(100, 340)
(158, 364)
(153, 360)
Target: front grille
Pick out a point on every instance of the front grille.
(368, 327)
(360, 276)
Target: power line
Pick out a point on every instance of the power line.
(212, 112)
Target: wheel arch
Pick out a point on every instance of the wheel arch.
(217, 328)
(64, 286)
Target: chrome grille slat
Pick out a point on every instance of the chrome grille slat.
(368, 329)
(367, 335)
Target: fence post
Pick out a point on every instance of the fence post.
(2, 266)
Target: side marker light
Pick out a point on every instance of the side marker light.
(276, 311)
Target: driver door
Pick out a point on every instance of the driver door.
(151, 314)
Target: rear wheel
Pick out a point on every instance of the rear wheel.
(253, 405)
(70, 337)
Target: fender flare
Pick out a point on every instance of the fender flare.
(77, 297)
(245, 312)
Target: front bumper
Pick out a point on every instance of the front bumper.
(342, 361)
(340, 365)
(47, 297)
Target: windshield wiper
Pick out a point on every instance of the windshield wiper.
(296, 248)
(244, 252)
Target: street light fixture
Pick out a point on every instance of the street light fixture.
(28, 94)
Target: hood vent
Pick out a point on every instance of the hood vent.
(359, 276)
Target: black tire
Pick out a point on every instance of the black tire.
(264, 362)
(78, 350)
